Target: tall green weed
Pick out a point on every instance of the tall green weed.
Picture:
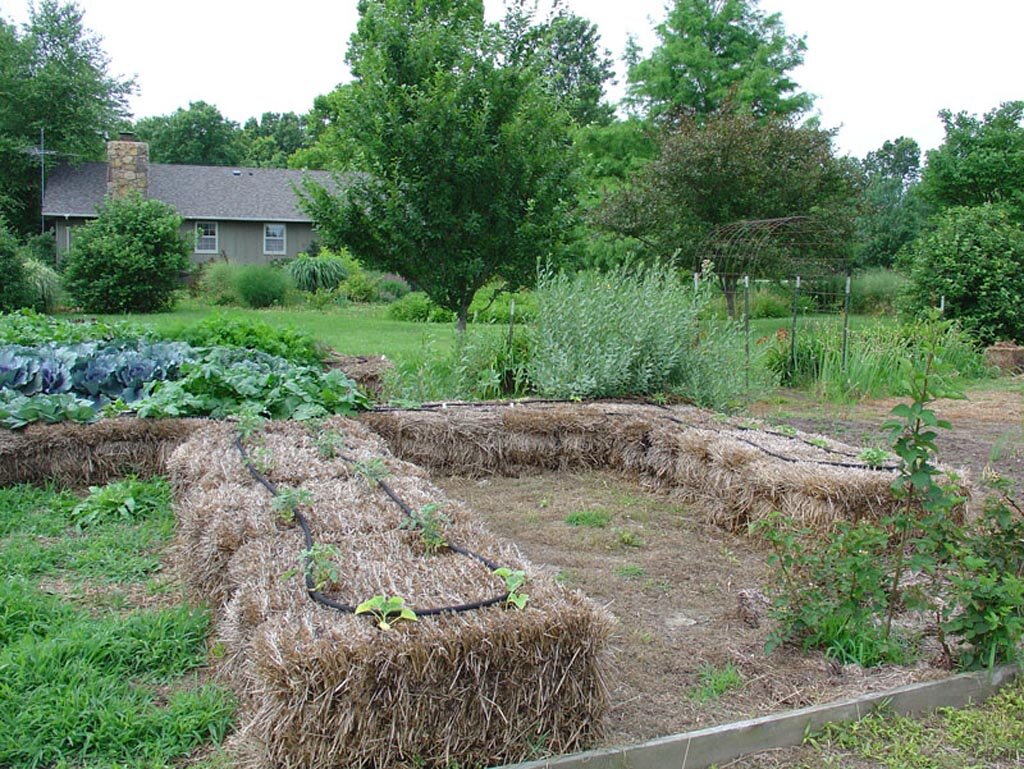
(633, 331)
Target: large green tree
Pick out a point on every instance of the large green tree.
(713, 52)
(566, 51)
(729, 167)
(198, 135)
(466, 162)
(54, 77)
(980, 161)
(893, 211)
(269, 141)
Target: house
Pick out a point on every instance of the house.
(239, 215)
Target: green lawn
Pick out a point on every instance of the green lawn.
(352, 330)
(99, 655)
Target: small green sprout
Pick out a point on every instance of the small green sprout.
(372, 470)
(514, 579)
(874, 457)
(386, 611)
(428, 522)
(287, 501)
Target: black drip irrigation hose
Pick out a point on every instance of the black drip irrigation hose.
(436, 407)
(307, 535)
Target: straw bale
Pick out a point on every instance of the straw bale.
(732, 474)
(78, 455)
(319, 688)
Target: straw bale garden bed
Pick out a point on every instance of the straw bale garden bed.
(579, 574)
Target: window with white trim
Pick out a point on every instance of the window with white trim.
(275, 239)
(206, 238)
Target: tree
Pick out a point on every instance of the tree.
(129, 259)
(54, 76)
(566, 52)
(731, 167)
(894, 211)
(269, 141)
(713, 52)
(199, 135)
(466, 162)
(974, 257)
(327, 147)
(980, 161)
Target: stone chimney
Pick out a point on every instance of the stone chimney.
(127, 166)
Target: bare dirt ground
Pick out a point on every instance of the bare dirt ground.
(675, 585)
(687, 594)
(988, 427)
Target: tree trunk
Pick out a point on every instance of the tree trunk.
(729, 283)
(460, 322)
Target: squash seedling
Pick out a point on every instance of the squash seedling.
(514, 579)
(386, 611)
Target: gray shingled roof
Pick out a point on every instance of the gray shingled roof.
(196, 192)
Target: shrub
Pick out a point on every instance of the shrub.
(416, 307)
(973, 257)
(129, 258)
(631, 332)
(482, 365)
(324, 272)
(217, 283)
(15, 291)
(252, 334)
(44, 284)
(876, 292)
(483, 310)
(262, 285)
(391, 287)
(361, 286)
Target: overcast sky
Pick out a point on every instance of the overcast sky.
(880, 68)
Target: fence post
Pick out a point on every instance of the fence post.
(696, 287)
(792, 335)
(746, 324)
(942, 305)
(511, 322)
(846, 324)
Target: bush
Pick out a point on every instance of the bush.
(361, 286)
(15, 291)
(44, 285)
(482, 310)
(262, 286)
(218, 284)
(324, 272)
(876, 292)
(252, 334)
(417, 307)
(974, 258)
(128, 259)
(391, 287)
(482, 365)
(631, 332)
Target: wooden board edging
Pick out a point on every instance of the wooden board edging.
(717, 744)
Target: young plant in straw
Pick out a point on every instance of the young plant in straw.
(287, 501)
(372, 470)
(428, 522)
(387, 610)
(514, 579)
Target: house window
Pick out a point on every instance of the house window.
(206, 237)
(274, 239)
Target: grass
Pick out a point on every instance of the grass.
(591, 519)
(988, 735)
(89, 679)
(352, 330)
(713, 682)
